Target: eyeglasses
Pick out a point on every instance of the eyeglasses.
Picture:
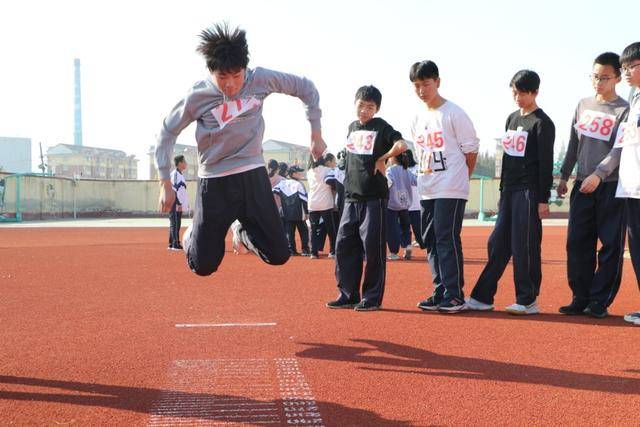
(596, 78)
(628, 70)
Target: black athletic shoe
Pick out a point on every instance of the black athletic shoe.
(305, 253)
(341, 303)
(573, 309)
(429, 304)
(454, 305)
(291, 253)
(365, 305)
(595, 309)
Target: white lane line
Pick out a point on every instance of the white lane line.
(222, 325)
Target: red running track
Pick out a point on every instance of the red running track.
(88, 336)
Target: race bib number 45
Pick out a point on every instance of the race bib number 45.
(361, 142)
(431, 141)
(515, 142)
(227, 111)
(596, 124)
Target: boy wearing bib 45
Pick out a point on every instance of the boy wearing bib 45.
(525, 187)
(447, 148)
(595, 213)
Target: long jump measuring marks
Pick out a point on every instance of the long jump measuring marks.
(236, 392)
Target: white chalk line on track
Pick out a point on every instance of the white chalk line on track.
(224, 325)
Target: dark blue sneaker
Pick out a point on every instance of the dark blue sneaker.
(454, 305)
(429, 304)
(365, 305)
(342, 303)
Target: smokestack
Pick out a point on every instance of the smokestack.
(77, 128)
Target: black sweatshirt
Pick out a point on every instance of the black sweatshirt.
(361, 182)
(534, 171)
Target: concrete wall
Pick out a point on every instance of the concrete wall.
(53, 197)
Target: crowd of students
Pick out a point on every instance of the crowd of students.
(367, 198)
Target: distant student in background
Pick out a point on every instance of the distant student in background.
(273, 167)
(400, 181)
(293, 198)
(322, 182)
(414, 210)
(181, 203)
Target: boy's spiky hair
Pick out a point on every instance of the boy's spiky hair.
(526, 81)
(224, 48)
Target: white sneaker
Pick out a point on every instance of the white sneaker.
(238, 246)
(632, 317)
(519, 309)
(637, 322)
(474, 304)
(393, 257)
(186, 238)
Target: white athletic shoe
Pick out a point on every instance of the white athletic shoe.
(520, 310)
(238, 244)
(186, 238)
(393, 257)
(637, 322)
(474, 304)
(632, 317)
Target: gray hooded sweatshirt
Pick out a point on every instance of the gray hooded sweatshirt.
(229, 131)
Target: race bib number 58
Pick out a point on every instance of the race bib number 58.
(515, 142)
(361, 142)
(596, 124)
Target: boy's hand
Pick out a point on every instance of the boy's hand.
(318, 146)
(562, 188)
(381, 167)
(543, 210)
(590, 184)
(167, 196)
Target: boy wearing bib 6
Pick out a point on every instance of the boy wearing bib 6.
(362, 232)
(595, 213)
(525, 187)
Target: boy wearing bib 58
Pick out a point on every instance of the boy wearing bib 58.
(595, 213)
(363, 226)
(447, 148)
(525, 187)
(629, 181)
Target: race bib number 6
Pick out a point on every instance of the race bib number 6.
(596, 124)
(361, 142)
(515, 142)
(227, 111)
(431, 141)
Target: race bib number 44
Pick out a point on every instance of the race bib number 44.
(361, 142)
(596, 124)
(227, 111)
(431, 141)
(515, 142)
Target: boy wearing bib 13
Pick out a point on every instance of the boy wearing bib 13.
(595, 213)
(362, 231)
(447, 148)
(525, 187)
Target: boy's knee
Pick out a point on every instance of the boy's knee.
(279, 258)
(202, 269)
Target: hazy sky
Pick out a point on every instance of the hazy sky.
(139, 59)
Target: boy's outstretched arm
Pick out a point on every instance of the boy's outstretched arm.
(178, 119)
(305, 90)
(398, 148)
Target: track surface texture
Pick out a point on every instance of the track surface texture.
(88, 336)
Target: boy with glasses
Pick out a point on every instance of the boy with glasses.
(595, 213)
(629, 182)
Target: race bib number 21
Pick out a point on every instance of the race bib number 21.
(226, 112)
